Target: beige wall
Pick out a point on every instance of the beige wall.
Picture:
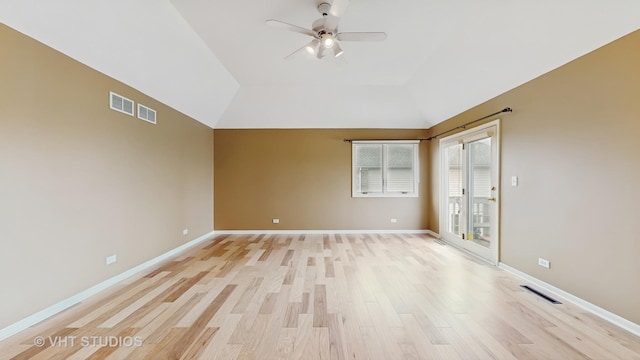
(303, 177)
(80, 182)
(574, 142)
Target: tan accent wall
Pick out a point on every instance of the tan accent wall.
(574, 142)
(80, 182)
(303, 177)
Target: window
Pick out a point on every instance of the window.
(387, 168)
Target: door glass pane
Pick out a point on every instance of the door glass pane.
(400, 168)
(368, 169)
(480, 191)
(454, 186)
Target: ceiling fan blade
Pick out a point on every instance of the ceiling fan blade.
(338, 7)
(290, 56)
(361, 36)
(285, 26)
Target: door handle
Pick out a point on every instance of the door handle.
(492, 199)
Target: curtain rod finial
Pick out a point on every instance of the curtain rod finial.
(507, 109)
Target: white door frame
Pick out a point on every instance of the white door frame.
(466, 136)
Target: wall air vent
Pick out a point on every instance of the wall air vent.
(146, 114)
(120, 103)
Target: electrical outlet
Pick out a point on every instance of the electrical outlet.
(394, 220)
(111, 259)
(276, 221)
(185, 231)
(544, 263)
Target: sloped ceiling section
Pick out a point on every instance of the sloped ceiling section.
(219, 63)
(143, 43)
(503, 44)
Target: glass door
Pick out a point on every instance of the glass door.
(454, 224)
(480, 197)
(469, 211)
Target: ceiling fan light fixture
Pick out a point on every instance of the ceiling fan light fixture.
(311, 47)
(337, 50)
(328, 40)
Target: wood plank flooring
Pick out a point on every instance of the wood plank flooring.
(322, 297)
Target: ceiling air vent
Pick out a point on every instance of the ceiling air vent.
(120, 103)
(146, 114)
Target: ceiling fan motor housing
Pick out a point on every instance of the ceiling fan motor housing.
(319, 27)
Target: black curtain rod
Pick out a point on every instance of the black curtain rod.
(507, 109)
(442, 133)
(350, 140)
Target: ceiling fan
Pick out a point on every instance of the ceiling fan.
(324, 31)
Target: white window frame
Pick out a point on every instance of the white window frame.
(384, 193)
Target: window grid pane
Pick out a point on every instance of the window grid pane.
(400, 174)
(368, 174)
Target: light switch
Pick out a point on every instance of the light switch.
(514, 181)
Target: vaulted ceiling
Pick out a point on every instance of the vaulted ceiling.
(219, 63)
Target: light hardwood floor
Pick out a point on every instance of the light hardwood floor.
(323, 297)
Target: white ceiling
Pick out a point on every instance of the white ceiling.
(218, 62)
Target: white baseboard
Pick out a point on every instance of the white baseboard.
(434, 234)
(64, 304)
(287, 232)
(594, 309)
